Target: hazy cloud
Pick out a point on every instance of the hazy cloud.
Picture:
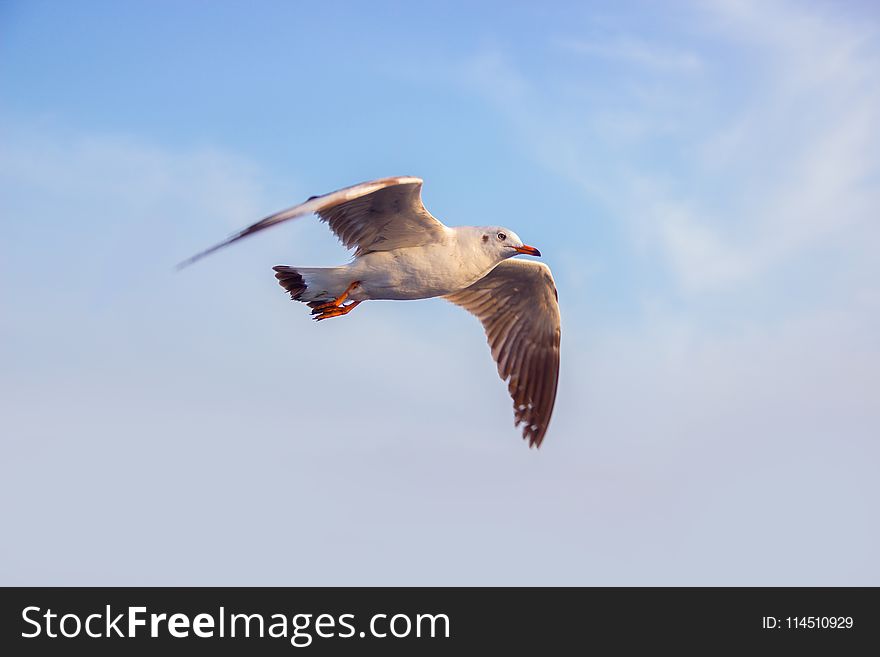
(729, 176)
(633, 51)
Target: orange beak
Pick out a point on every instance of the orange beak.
(528, 250)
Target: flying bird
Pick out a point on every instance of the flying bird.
(402, 253)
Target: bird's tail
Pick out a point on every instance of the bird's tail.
(312, 285)
(291, 280)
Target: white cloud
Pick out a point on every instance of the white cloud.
(770, 152)
(630, 50)
(701, 258)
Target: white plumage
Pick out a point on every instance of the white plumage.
(403, 253)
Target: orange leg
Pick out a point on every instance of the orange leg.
(337, 302)
(334, 311)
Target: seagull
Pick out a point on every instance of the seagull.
(402, 252)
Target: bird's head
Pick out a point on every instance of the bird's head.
(504, 243)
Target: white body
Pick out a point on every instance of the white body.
(419, 272)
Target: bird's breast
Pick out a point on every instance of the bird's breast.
(418, 272)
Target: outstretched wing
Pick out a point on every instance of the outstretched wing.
(518, 307)
(379, 215)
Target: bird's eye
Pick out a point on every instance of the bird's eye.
(502, 236)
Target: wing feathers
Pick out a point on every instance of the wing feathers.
(517, 305)
(378, 215)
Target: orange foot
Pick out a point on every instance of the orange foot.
(335, 308)
(331, 310)
(337, 302)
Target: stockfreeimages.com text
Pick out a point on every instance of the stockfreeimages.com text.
(300, 629)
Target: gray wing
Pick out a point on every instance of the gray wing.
(519, 309)
(379, 215)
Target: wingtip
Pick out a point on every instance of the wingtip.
(183, 264)
(201, 254)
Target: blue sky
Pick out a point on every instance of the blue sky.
(701, 177)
